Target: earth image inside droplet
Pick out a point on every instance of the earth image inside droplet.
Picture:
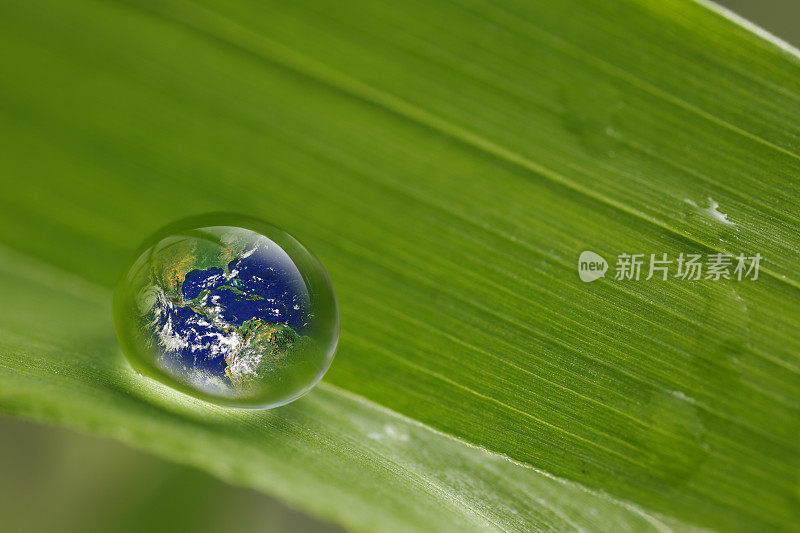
(230, 309)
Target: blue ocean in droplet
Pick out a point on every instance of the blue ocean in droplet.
(266, 287)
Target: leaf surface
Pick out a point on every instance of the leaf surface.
(447, 162)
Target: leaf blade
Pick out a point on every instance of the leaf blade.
(453, 254)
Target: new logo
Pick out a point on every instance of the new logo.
(591, 266)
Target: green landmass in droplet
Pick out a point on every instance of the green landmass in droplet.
(176, 259)
(264, 348)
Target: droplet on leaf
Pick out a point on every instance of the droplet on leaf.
(229, 309)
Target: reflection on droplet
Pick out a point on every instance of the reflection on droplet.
(229, 309)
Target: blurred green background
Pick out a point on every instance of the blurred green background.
(779, 17)
(56, 480)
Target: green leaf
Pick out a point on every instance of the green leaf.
(447, 162)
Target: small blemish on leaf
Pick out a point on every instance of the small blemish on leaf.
(711, 211)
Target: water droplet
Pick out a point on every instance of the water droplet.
(712, 211)
(590, 114)
(229, 309)
(671, 436)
